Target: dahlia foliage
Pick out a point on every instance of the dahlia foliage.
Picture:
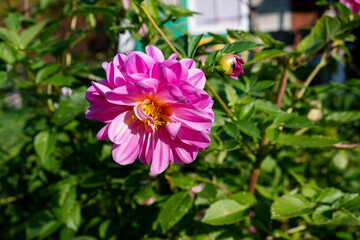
(153, 109)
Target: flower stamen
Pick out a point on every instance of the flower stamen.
(155, 112)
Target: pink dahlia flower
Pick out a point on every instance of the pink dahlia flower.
(153, 109)
(232, 65)
(354, 5)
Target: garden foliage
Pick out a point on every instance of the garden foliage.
(280, 120)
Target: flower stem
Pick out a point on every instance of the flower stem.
(160, 31)
(222, 103)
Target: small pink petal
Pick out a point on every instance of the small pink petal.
(173, 129)
(155, 53)
(160, 160)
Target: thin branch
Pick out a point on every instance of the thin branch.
(347, 145)
(254, 177)
(282, 87)
(312, 75)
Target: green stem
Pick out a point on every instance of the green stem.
(312, 75)
(160, 31)
(222, 103)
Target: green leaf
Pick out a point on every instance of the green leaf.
(270, 42)
(267, 54)
(238, 47)
(343, 116)
(288, 206)
(60, 80)
(30, 33)
(225, 212)
(248, 128)
(231, 95)
(272, 132)
(262, 85)
(13, 21)
(152, 7)
(42, 225)
(244, 198)
(193, 45)
(246, 111)
(46, 71)
(210, 60)
(44, 144)
(10, 37)
(70, 107)
(7, 54)
(182, 44)
(4, 79)
(183, 182)
(178, 11)
(267, 107)
(174, 209)
(73, 217)
(310, 43)
(329, 195)
(299, 122)
(96, 9)
(305, 141)
(231, 129)
(326, 27)
(209, 192)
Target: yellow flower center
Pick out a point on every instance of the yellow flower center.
(156, 113)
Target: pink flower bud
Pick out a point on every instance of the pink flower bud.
(231, 63)
(354, 5)
(252, 229)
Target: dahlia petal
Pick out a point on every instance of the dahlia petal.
(135, 64)
(171, 94)
(127, 152)
(104, 65)
(173, 56)
(196, 78)
(188, 62)
(105, 112)
(119, 60)
(102, 87)
(173, 129)
(103, 133)
(125, 95)
(183, 153)
(160, 160)
(193, 138)
(148, 85)
(114, 76)
(162, 73)
(121, 127)
(192, 117)
(100, 109)
(180, 70)
(139, 112)
(189, 91)
(155, 53)
(146, 151)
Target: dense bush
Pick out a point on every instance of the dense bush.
(284, 156)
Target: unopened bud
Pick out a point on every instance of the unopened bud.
(231, 63)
